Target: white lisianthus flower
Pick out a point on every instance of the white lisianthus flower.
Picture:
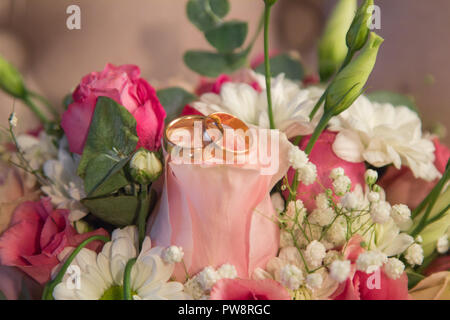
(382, 134)
(291, 105)
(101, 275)
(388, 239)
(66, 188)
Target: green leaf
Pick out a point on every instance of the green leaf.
(413, 278)
(117, 210)
(2, 296)
(212, 64)
(68, 99)
(227, 36)
(200, 13)
(105, 175)
(112, 134)
(395, 99)
(173, 100)
(284, 63)
(220, 7)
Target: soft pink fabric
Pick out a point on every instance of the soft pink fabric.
(37, 235)
(402, 187)
(325, 159)
(244, 289)
(219, 214)
(124, 85)
(359, 285)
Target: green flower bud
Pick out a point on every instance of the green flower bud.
(270, 2)
(359, 30)
(332, 46)
(145, 166)
(349, 83)
(10, 80)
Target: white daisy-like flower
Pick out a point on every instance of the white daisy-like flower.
(382, 134)
(101, 275)
(291, 105)
(37, 150)
(66, 188)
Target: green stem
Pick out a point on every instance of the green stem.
(267, 8)
(48, 290)
(127, 279)
(35, 109)
(46, 103)
(319, 129)
(144, 206)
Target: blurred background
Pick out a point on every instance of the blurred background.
(154, 34)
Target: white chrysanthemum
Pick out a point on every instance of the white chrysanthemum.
(394, 268)
(291, 277)
(315, 253)
(401, 215)
(314, 281)
(227, 271)
(336, 173)
(382, 134)
(66, 188)
(380, 212)
(370, 261)
(341, 185)
(340, 270)
(414, 254)
(322, 201)
(207, 278)
(297, 157)
(307, 174)
(37, 150)
(291, 105)
(101, 276)
(173, 254)
(442, 244)
(322, 217)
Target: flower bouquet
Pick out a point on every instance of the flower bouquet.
(262, 183)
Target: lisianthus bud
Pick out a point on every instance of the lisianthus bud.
(359, 30)
(11, 80)
(145, 166)
(332, 46)
(348, 84)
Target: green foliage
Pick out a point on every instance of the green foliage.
(227, 36)
(284, 63)
(393, 98)
(119, 211)
(173, 100)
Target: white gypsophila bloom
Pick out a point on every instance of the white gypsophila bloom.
(350, 201)
(370, 176)
(370, 261)
(414, 254)
(297, 158)
(337, 232)
(382, 134)
(13, 119)
(341, 185)
(373, 196)
(442, 244)
(340, 270)
(314, 281)
(307, 174)
(322, 217)
(380, 212)
(193, 288)
(37, 150)
(291, 277)
(173, 254)
(227, 271)
(66, 188)
(207, 278)
(394, 268)
(315, 253)
(419, 239)
(291, 105)
(277, 202)
(331, 256)
(322, 201)
(101, 276)
(336, 173)
(401, 215)
(285, 239)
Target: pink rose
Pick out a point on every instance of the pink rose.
(244, 289)
(374, 286)
(402, 187)
(37, 235)
(325, 159)
(215, 85)
(13, 282)
(124, 85)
